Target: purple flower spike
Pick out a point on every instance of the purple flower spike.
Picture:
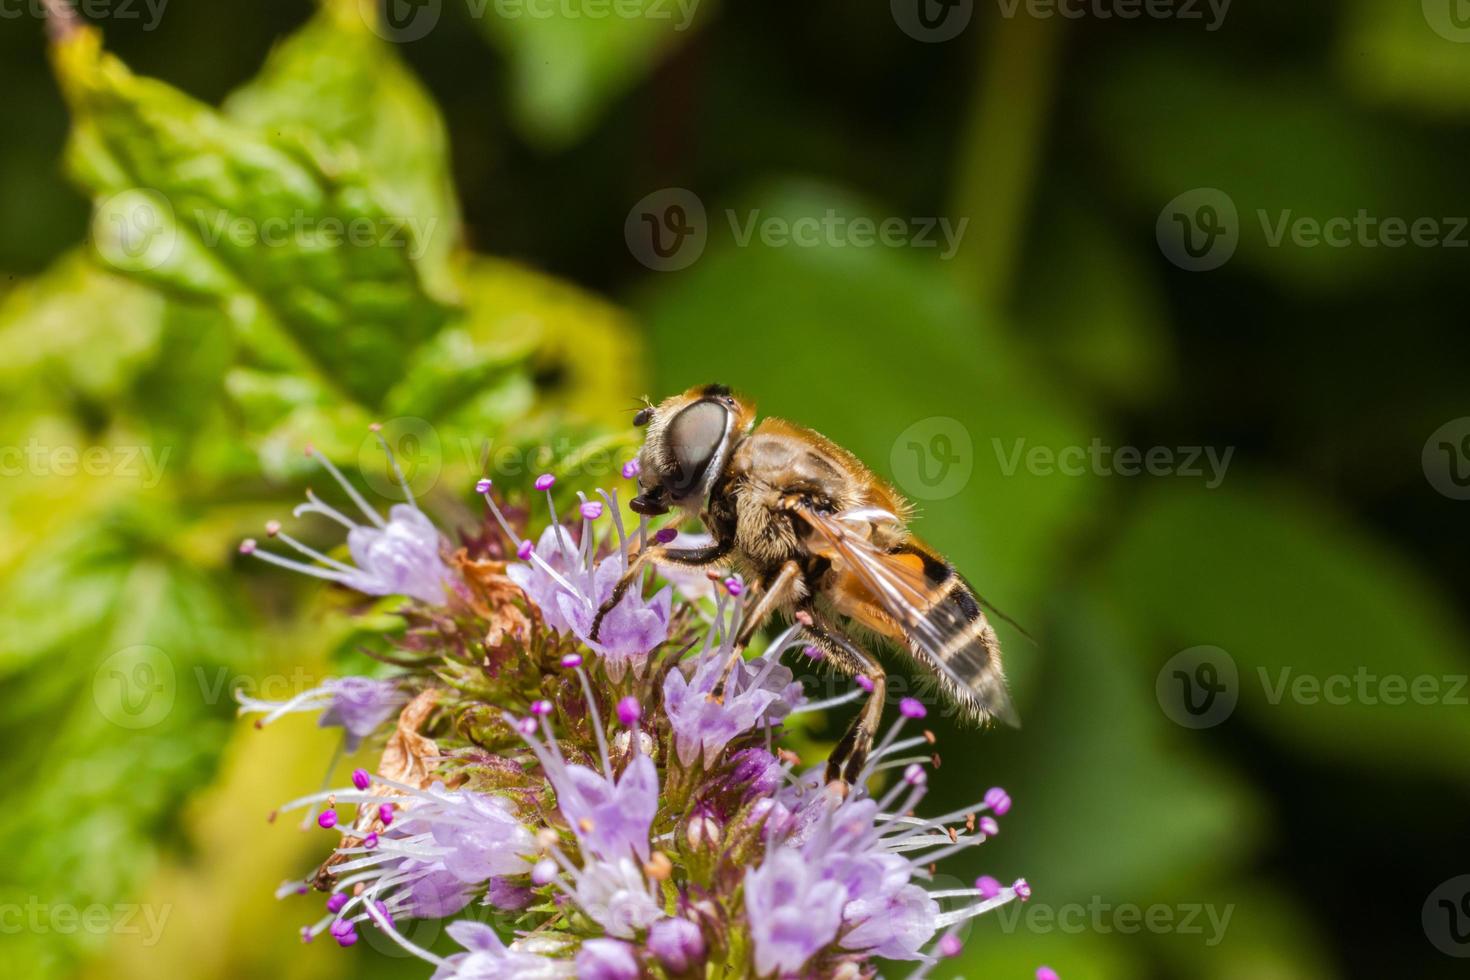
(607, 959)
(950, 945)
(630, 469)
(482, 486)
(793, 911)
(592, 510)
(361, 779)
(487, 958)
(629, 711)
(912, 708)
(545, 481)
(756, 692)
(327, 819)
(998, 800)
(678, 944)
(359, 705)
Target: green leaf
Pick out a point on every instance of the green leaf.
(337, 82)
(566, 66)
(1289, 590)
(588, 357)
(1283, 147)
(1412, 54)
(1135, 770)
(79, 328)
(1105, 324)
(277, 230)
(114, 650)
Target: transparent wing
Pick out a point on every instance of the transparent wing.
(897, 581)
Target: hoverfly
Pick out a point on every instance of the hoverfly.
(819, 538)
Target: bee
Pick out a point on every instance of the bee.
(821, 540)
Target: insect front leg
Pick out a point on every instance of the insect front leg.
(658, 554)
(847, 759)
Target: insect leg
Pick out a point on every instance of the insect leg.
(848, 758)
(657, 554)
(776, 592)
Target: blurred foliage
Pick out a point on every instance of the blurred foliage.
(1058, 322)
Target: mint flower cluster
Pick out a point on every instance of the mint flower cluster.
(607, 810)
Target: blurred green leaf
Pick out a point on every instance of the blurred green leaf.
(113, 649)
(1290, 590)
(1131, 771)
(273, 228)
(1413, 54)
(337, 83)
(78, 330)
(1284, 147)
(1105, 323)
(567, 65)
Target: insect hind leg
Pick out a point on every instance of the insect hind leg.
(846, 762)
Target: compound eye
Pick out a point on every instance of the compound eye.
(694, 436)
